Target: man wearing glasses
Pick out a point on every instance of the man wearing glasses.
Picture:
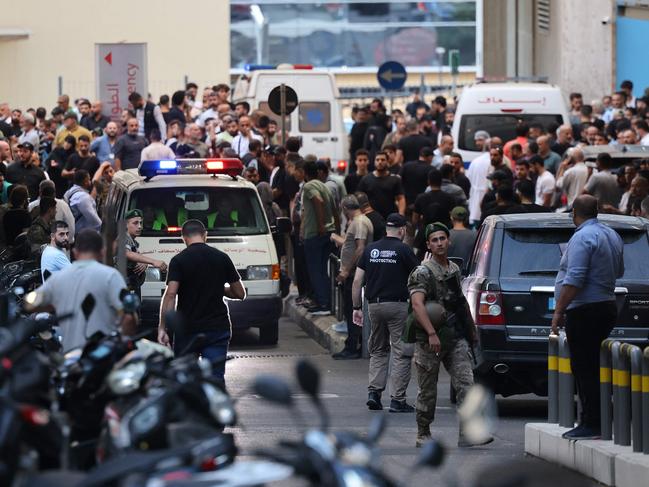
(445, 331)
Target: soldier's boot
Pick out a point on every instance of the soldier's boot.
(423, 428)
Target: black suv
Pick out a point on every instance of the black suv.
(510, 289)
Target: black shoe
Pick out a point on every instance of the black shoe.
(582, 433)
(374, 401)
(319, 311)
(400, 407)
(346, 355)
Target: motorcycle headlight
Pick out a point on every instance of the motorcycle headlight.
(126, 379)
(259, 272)
(220, 405)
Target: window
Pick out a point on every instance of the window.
(481, 251)
(503, 126)
(350, 33)
(543, 15)
(223, 211)
(315, 116)
(548, 246)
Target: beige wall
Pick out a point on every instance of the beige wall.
(62, 43)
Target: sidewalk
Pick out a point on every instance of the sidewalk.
(317, 327)
(603, 461)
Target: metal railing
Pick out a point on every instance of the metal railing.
(336, 306)
(624, 391)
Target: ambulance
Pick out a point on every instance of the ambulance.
(498, 107)
(170, 192)
(318, 118)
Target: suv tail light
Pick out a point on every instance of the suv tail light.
(490, 309)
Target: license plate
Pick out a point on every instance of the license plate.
(552, 304)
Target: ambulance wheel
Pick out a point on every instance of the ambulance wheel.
(269, 334)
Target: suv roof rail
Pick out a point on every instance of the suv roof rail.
(515, 79)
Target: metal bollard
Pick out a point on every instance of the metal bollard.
(637, 421)
(615, 357)
(645, 401)
(553, 379)
(624, 395)
(566, 386)
(605, 389)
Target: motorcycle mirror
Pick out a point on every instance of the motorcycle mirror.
(273, 389)
(377, 427)
(432, 455)
(478, 414)
(308, 377)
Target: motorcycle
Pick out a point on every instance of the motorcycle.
(339, 459)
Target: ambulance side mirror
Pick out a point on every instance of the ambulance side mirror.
(283, 225)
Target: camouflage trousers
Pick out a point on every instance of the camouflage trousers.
(457, 362)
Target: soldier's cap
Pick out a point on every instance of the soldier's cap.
(436, 227)
(26, 145)
(395, 220)
(133, 214)
(459, 213)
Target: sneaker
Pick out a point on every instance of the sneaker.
(422, 439)
(340, 327)
(582, 433)
(319, 311)
(346, 355)
(306, 303)
(400, 407)
(462, 442)
(374, 401)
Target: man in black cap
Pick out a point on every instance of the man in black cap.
(384, 267)
(137, 263)
(24, 171)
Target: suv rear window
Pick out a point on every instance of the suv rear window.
(223, 211)
(547, 247)
(498, 125)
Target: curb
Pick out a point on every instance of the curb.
(603, 461)
(317, 327)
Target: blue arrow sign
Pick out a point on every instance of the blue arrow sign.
(391, 75)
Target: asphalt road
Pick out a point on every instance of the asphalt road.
(344, 389)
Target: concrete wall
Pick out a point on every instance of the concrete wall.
(63, 35)
(495, 38)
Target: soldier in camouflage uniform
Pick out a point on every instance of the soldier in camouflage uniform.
(448, 339)
(39, 232)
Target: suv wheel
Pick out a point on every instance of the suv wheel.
(269, 334)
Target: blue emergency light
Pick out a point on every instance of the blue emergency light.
(229, 166)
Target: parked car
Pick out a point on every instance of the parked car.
(510, 289)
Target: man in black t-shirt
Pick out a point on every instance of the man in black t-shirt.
(414, 175)
(198, 276)
(432, 206)
(383, 189)
(362, 159)
(410, 146)
(82, 159)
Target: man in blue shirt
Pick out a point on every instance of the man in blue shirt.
(585, 294)
(54, 257)
(103, 146)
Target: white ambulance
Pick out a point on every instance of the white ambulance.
(171, 192)
(317, 120)
(498, 107)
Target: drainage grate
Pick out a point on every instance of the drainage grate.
(273, 355)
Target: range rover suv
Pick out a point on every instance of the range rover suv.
(510, 289)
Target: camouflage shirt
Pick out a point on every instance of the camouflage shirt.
(440, 285)
(38, 234)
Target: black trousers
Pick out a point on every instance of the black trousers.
(354, 332)
(301, 276)
(586, 327)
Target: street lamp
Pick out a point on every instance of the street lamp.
(440, 51)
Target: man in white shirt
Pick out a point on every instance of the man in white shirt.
(63, 212)
(211, 112)
(444, 149)
(642, 130)
(572, 180)
(29, 132)
(477, 175)
(55, 258)
(242, 140)
(545, 183)
(156, 150)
